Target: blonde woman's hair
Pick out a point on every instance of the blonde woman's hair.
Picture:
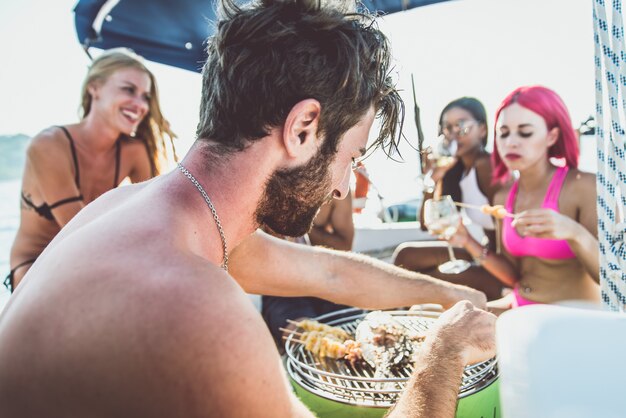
(154, 127)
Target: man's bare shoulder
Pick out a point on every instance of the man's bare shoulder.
(214, 340)
(109, 201)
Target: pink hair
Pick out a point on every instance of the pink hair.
(547, 104)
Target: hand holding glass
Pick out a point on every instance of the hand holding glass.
(443, 219)
(443, 155)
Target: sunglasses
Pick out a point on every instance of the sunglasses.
(461, 128)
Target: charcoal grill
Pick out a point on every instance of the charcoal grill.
(334, 388)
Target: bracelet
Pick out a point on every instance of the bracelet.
(482, 256)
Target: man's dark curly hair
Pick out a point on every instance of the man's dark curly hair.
(267, 56)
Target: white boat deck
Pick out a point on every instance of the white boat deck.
(380, 239)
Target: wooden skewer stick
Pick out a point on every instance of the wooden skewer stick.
(294, 340)
(467, 205)
(290, 331)
(478, 207)
(292, 322)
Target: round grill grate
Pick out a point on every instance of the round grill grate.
(340, 381)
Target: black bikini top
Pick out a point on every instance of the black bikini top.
(45, 210)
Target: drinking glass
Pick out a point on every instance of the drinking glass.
(443, 155)
(443, 219)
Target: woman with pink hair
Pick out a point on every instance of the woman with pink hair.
(549, 245)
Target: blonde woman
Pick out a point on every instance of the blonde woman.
(121, 135)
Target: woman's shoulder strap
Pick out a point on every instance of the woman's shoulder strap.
(74, 156)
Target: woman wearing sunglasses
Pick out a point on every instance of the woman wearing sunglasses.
(467, 178)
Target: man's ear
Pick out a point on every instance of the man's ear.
(300, 130)
(553, 135)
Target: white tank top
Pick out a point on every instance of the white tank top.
(473, 196)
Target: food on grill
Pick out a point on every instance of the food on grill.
(385, 343)
(311, 325)
(322, 344)
(387, 346)
(497, 211)
(326, 345)
(356, 384)
(380, 341)
(354, 354)
(327, 341)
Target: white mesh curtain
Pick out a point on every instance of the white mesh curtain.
(610, 63)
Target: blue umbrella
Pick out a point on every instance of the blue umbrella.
(169, 32)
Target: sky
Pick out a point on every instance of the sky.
(481, 48)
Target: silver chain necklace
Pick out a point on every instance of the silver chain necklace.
(213, 211)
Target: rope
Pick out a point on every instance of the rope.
(610, 74)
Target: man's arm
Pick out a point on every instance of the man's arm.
(265, 265)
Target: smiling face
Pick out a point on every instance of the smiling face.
(522, 138)
(293, 196)
(122, 99)
(459, 125)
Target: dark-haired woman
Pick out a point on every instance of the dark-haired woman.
(467, 178)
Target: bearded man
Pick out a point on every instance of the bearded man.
(138, 307)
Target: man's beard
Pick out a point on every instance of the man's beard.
(293, 197)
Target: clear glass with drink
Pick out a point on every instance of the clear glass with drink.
(442, 219)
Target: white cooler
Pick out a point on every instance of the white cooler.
(562, 362)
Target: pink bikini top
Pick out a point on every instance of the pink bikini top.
(537, 247)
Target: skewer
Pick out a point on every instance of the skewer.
(294, 340)
(312, 325)
(466, 205)
(480, 208)
(290, 331)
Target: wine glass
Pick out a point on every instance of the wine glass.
(443, 155)
(443, 219)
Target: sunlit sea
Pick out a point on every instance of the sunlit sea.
(10, 193)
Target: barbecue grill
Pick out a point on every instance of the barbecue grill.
(335, 388)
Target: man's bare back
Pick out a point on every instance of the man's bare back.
(120, 335)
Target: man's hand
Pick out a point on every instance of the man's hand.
(463, 335)
(476, 297)
(467, 329)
